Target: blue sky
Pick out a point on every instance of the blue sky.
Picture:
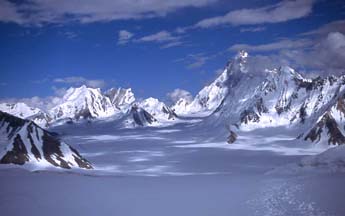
(156, 46)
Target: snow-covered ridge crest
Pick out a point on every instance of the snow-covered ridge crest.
(285, 98)
(19, 109)
(84, 103)
(157, 109)
(212, 96)
(121, 98)
(22, 110)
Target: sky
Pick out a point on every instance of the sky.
(164, 49)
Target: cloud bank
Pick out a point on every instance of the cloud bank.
(321, 51)
(37, 12)
(176, 94)
(77, 80)
(281, 12)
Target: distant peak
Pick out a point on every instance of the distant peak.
(151, 100)
(238, 64)
(290, 71)
(241, 55)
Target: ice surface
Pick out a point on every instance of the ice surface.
(174, 171)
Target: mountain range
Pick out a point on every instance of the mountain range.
(239, 99)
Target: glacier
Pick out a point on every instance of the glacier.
(268, 143)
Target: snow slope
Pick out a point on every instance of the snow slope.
(27, 143)
(154, 167)
(332, 159)
(121, 98)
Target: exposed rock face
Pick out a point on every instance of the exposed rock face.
(328, 127)
(281, 97)
(331, 125)
(157, 109)
(232, 137)
(140, 117)
(171, 114)
(149, 112)
(29, 143)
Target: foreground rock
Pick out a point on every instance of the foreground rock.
(27, 143)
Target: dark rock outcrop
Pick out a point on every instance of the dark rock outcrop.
(232, 137)
(141, 117)
(29, 143)
(329, 125)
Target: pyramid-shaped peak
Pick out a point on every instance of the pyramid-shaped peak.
(288, 71)
(241, 55)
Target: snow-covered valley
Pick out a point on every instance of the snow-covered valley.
(175, 171)
(268, 144)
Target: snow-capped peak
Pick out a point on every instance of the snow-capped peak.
(152, 105)
(75, 93)
(83, 102)
(242, 55)
(157, 109)
(24, 111)
(121, 98)
(212, 96)
(238, 64)
(19, 109)
(288, 71)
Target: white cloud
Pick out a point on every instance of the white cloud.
(59, 91)
(321, 51)
(198, 62)
(253, 29)
(176, 94)
(338, 26)
(124, 36)
(327, 56)
(70, 34)
(162, 36)
(281, 12)
(40, 12)
(77, 80)
(282, 44)
(172, 44)
(9, 13)
(199, 59)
